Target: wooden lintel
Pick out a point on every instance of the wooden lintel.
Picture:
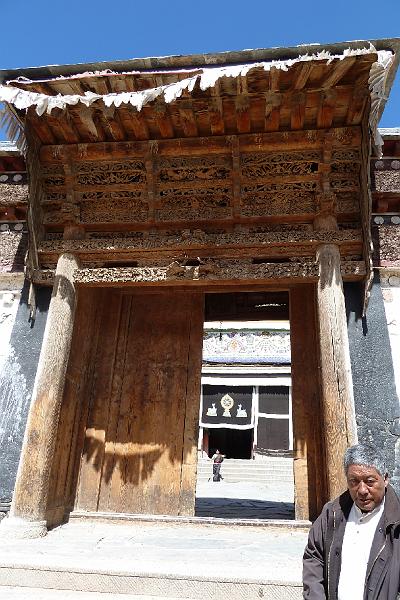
(294, 140)
(259, 245)
(271, 253)
(206, 274)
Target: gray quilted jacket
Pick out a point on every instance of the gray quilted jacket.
(322, 556)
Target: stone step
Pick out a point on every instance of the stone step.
(255, 463)
(30, 593)
(237, 479)
(254, 466)
(56, 583)
(247, 474)
(231, 469)
(197, 590)
(251, 467)
(149, 561)
(257, 478)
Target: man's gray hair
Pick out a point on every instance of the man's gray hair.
(363, 454)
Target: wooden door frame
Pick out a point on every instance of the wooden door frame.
(310, 485)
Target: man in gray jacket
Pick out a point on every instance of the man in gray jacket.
(353, 550)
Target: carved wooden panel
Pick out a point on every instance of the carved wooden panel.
(202, 198)
(194, 188)
(101, 173)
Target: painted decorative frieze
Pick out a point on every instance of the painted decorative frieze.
(246, 347)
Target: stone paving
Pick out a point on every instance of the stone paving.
(161, 559)
(160, 548)
(245, 500)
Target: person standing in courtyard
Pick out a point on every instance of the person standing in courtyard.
(217, 459)
(353, 549)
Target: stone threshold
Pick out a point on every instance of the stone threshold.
(282, 524)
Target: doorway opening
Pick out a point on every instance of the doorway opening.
(236, 443)
(246, 408)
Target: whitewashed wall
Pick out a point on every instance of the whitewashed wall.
(390, 283)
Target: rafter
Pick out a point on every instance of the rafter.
(339, 71)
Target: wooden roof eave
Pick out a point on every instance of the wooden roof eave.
(207, 83)
(190, 61)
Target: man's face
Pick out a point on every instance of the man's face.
(366, 486)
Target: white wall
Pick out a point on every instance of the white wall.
(390, 284)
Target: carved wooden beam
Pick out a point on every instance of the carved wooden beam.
(203, 240)
(293, 140)
(212, 272)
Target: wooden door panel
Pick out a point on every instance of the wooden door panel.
(146, 436)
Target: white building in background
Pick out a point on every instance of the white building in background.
(246, 405)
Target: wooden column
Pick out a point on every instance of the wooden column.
(29, 504)
(337, 389)
(309, 460)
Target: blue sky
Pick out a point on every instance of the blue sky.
(56, 32)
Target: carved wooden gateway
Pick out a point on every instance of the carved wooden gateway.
(153, 183)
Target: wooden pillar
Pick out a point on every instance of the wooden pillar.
(308, 454)
(29, 504)
(337, 389)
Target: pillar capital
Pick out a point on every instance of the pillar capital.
(326, 211)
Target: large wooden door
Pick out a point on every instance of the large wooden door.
(140, 448)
